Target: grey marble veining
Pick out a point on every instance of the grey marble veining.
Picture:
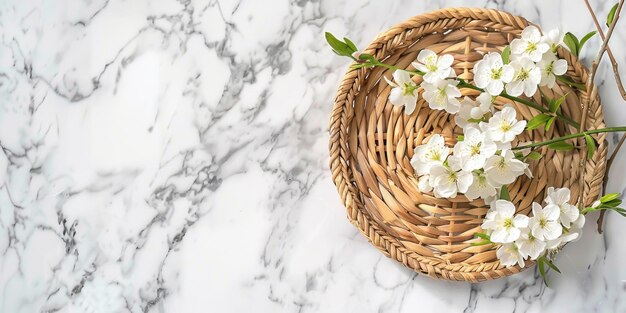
(171, 156)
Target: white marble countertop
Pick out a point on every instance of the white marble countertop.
(171, 156)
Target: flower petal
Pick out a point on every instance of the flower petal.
(396, 97)
(424, 55)
(402, 77)
(559, 67)
(495, 87)
(520, 221)
(552, 230)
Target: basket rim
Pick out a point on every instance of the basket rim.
(342, 174)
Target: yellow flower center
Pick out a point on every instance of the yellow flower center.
(496, 73)
(452, 177)
(550, 67)
(505, 126)
(502, 164)
(523, 74)
(434, 155)
(475, 149)
(508, 223)
(408, 89)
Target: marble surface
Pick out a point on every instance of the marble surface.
(171, 156)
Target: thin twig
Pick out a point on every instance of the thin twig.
(606, 177)
(620, 86)
(614, 64)
(593, 93)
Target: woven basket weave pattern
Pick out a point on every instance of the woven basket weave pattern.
(372, 142)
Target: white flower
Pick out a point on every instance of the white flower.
(544, 224)
(575, 231)
(505, 227)
(442, 95)
(504, 126)
(530, 246)
(530, 44)
(404, 91)
(432, 153)
(474, 149)
(503, 169)
(435, 67)
(491, 73)
(448, 180)
(526, 78)
(423, 184)
(571, 234)
(473, 110)
(559, 198)
(553, 38)
(484, 127)
(551, 67)
(480, 188)
(509, 255)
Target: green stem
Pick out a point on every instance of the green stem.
(572, 136)
(391, 67)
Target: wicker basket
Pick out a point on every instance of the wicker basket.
(371, 143)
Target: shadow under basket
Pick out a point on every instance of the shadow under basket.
(372, 142)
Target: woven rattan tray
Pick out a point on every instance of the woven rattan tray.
(371, 143)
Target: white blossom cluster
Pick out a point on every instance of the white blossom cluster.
(482, 162)
(523, 237)
(533, 63)
(477, 166)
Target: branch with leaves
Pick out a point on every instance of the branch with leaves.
(347, 48)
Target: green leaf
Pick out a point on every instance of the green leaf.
(611, 203)
(549, 123)
(591, 146)
(475, 120)
(555, 104)
(482, 236)
(537, 121)
(481, 243)
(568, 81)
(561, 146)
(460, 138)
(365, 56)
(504, 193)
(506, 55)
(584, 39)
(611, 16)
(542, 269)
(350, 44)
(485, 237)
(609, 197)
(534, 155)
(551, 265)
(359, 65)
(620, 211)
(572, 43)
(338, 46)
